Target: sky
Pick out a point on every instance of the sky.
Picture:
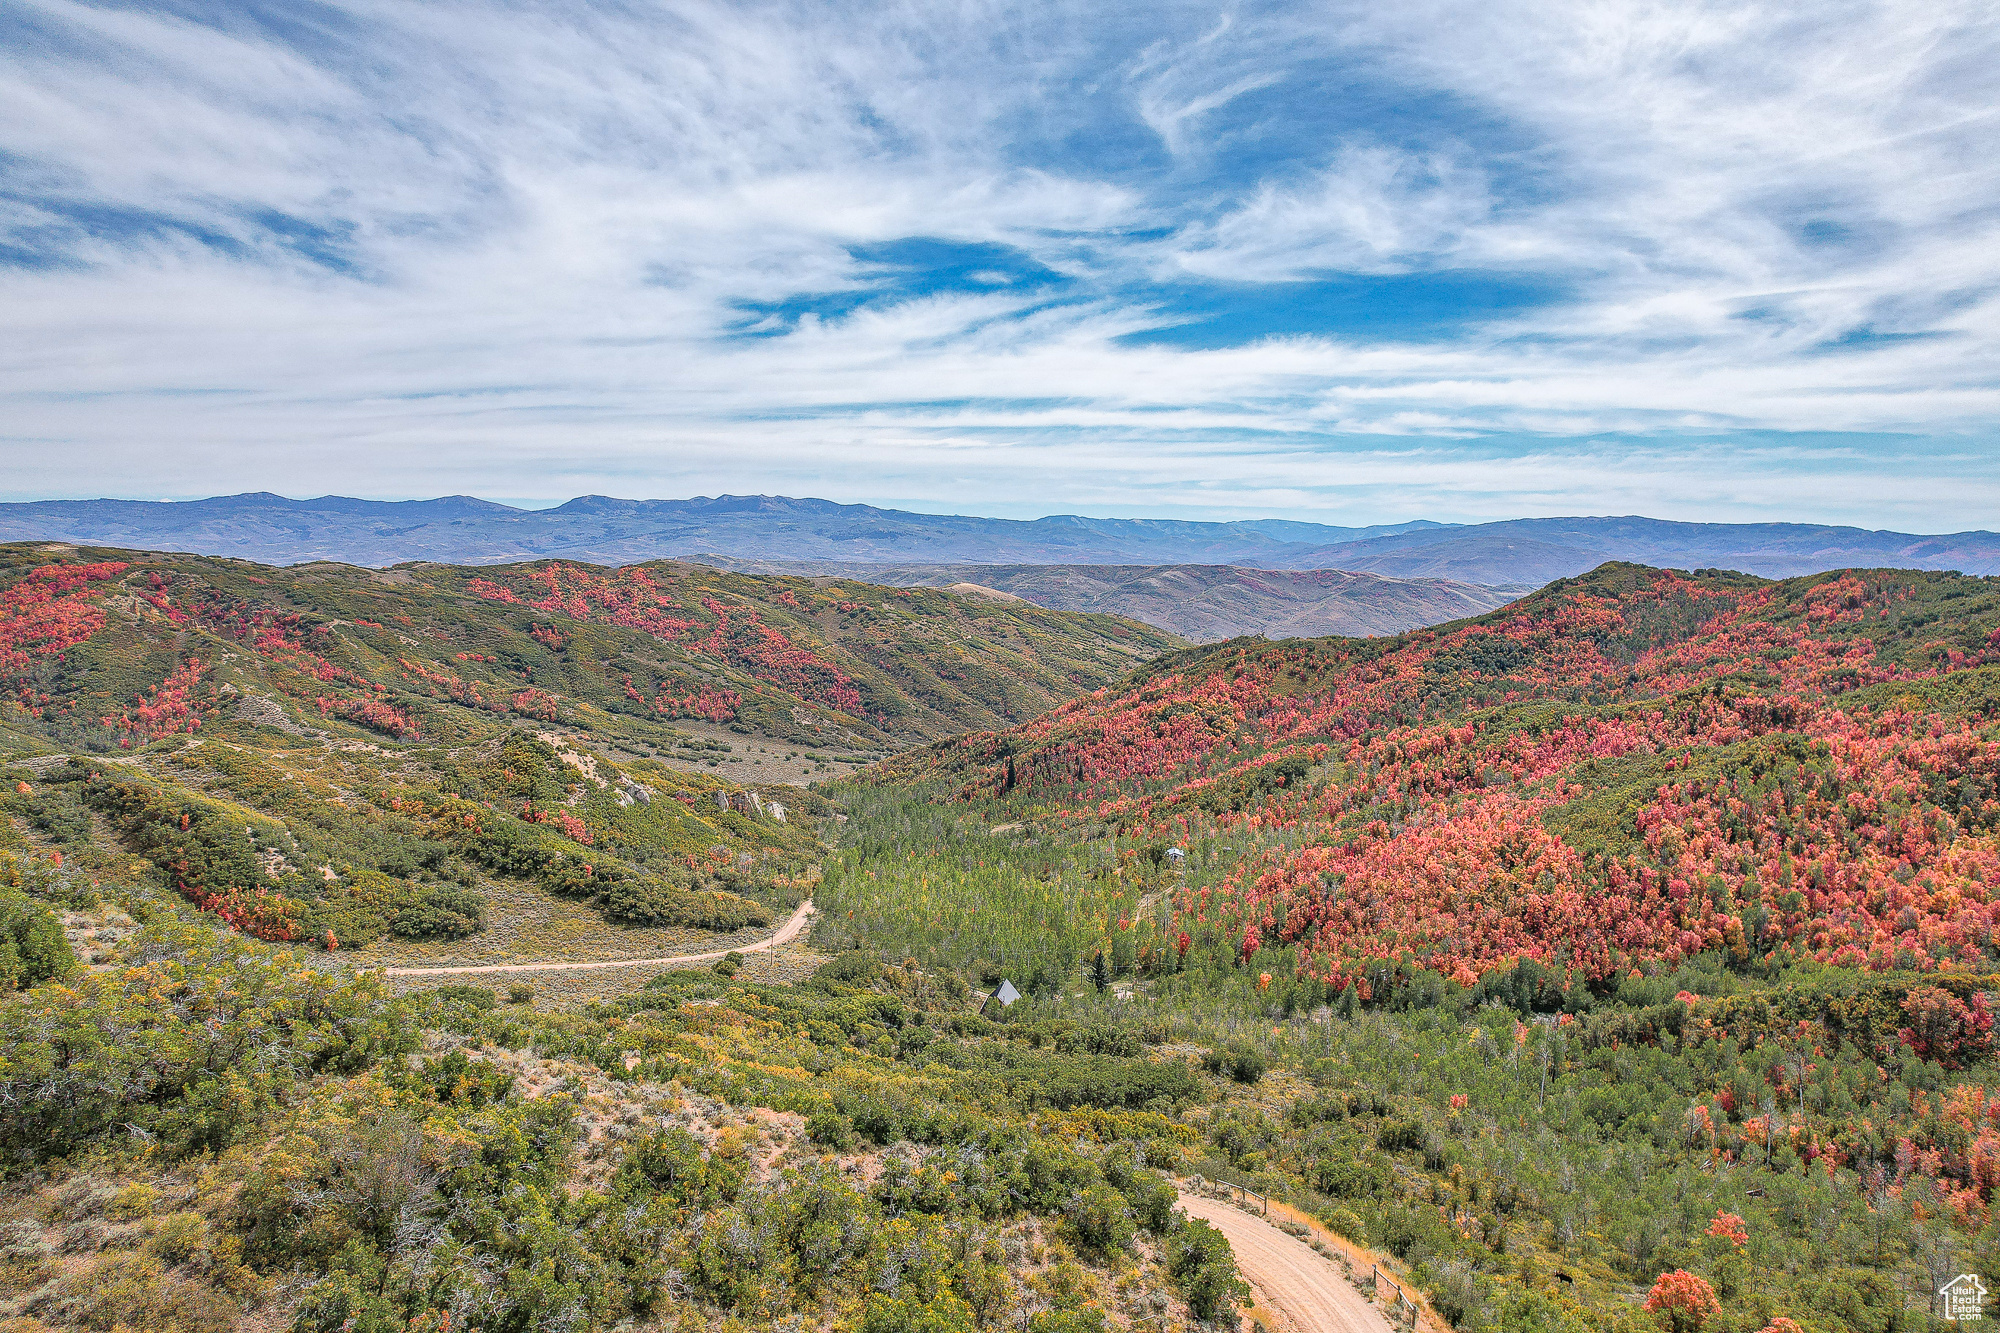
(1346, 262)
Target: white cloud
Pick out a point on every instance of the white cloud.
(554, 220)
(1373, 210)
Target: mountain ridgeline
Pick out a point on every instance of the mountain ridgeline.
(604, 530)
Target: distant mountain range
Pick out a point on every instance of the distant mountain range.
(459, 529)
(1539, 550)
(1199, 602)
(462, 530)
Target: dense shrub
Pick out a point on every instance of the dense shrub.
(1203, 1269)
(446, 911)
(1239, 1060)
(1100, 1221)
(830, 1129)
(1103, 1081)
(127, 1047)
(654, 902)
(55, 812)
(32, 947)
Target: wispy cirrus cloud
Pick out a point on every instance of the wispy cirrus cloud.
(1356, 260)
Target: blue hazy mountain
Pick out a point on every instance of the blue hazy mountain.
(462, 529)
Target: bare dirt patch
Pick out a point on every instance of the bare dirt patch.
(570, 990)
(94, 934)
(1307, 1291)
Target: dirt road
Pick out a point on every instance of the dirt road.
(1288, 1277)
(785, 935)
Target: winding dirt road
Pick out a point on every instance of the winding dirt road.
(1306, 1289)
(785, 935)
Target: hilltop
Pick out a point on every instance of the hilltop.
(110, 647)
(1588, 777)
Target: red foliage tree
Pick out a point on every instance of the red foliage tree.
(1729, 1227)
(1946, 1029)
(1683, 1301)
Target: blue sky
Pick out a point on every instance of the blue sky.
(1349, 262)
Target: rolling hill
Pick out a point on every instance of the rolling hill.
(1601, 932)
(392, 950)
(1536, 550)
(1819, 757)
(105, 647)
(1198, 602)
(357, 759)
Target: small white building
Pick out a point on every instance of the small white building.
(1176, 855)
(1004, 997)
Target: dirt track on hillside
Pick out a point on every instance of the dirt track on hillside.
(1305, 1288)
(785, 935)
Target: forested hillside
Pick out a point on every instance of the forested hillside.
(102, 649)
(1635, 942)
(1622, 959)
(230, 795)
(1632, 766)
(339, 756)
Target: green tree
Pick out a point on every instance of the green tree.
(1203, 1268)
(32, 946)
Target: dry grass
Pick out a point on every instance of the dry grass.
(756, 759)
(525, 924)
(94, 934)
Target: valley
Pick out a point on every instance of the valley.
(1201, 603)
(998, 668)
(1621, 951)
